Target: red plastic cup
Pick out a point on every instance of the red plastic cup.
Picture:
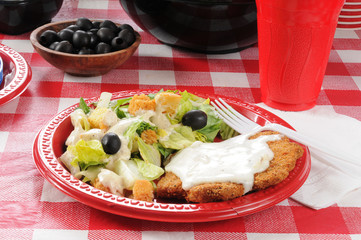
(294, 40)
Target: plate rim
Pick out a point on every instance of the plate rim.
(22, 76)
(57, 175)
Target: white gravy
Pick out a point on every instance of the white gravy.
(234, 160)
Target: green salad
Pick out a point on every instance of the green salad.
(116, 143)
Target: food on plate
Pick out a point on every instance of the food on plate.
(121, 146)
(143, 190)
(89, 37)
(202, 173)
(162, 145)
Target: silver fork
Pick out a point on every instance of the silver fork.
(328, 154)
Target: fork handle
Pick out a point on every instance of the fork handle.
(343, 161)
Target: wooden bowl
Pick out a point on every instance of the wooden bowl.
(80, 65)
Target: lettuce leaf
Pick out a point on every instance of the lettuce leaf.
(181, 137)
(192, 102)
(149, 153)
(87, 153)
(165, 152)
(83, 106)
(152, 95)
(104, 100)
(90, 174)
(131, 133)
(213, 123)
(149, 170)
(122, 112)
(226, 131)
(120, 102)
(129, 171)
(144, 126)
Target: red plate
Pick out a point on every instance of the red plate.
(13, 61)
(49, 145)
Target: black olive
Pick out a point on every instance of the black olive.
(81, 39)
(93, 31)
(73, 27)
(64, 46)
(126, 26)
(86, 51)
(53, 45)
(94, 39)
(111, 143)
(127, 36)
(89, 37)
(66, 34)
(196, 119)
(105, 35)
(118, 44)
(48, 37)
(108, 24)
(84, 23)
(102, 48)
(96, 24)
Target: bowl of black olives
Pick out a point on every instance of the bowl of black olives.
(85, 47)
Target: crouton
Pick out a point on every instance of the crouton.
(149, 136)
(102, 118)
(141, 102)
(98, 185)
(143, 190)
(168, 102)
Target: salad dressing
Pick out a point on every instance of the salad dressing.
(76, 118)
(234, 160)
(111, 180)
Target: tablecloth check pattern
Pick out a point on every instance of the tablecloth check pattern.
(31, 208)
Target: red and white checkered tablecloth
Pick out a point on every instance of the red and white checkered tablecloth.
(31, 208)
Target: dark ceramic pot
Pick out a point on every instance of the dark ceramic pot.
(217, 26)
(20, 16)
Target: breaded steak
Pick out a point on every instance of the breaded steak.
(285, 152)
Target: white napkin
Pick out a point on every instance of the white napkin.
(325, 185)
